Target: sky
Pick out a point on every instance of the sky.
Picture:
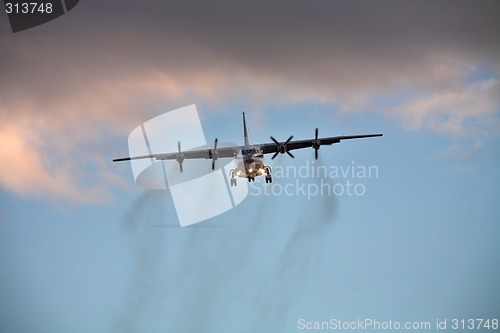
(84, 249)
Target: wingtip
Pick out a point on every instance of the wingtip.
(121, 159)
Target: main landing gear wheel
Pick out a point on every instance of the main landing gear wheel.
(232, 180)
(269, 178)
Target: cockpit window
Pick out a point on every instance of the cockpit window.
(250, 151)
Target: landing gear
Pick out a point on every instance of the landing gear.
(250, 176)
(269, 178)
(232, 180)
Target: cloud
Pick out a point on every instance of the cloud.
(466, 110)
(26, 171)
(104, 68)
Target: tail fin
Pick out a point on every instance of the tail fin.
(245, 132)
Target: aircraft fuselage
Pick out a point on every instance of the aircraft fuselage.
(250, 163)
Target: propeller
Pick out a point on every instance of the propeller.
(180, 155)
(282, 148)
(214, 154)
(316, 144)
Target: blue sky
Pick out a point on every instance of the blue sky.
(83, 249)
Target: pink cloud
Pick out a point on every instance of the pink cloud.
(448, 110)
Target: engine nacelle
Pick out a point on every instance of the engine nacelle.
(316, 144)
(281, 147)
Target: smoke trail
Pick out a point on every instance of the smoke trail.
(244, 276)
(303, 252)
(147, 251)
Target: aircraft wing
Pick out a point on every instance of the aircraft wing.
(284, 147)
(188, 154)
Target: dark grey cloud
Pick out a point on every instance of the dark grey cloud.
(342, 44)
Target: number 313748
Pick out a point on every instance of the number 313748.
(28, 8)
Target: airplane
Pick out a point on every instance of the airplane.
(249, 158)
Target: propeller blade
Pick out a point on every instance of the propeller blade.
(282, 148)
(214, 154)
(316, 143)
(180, 155)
